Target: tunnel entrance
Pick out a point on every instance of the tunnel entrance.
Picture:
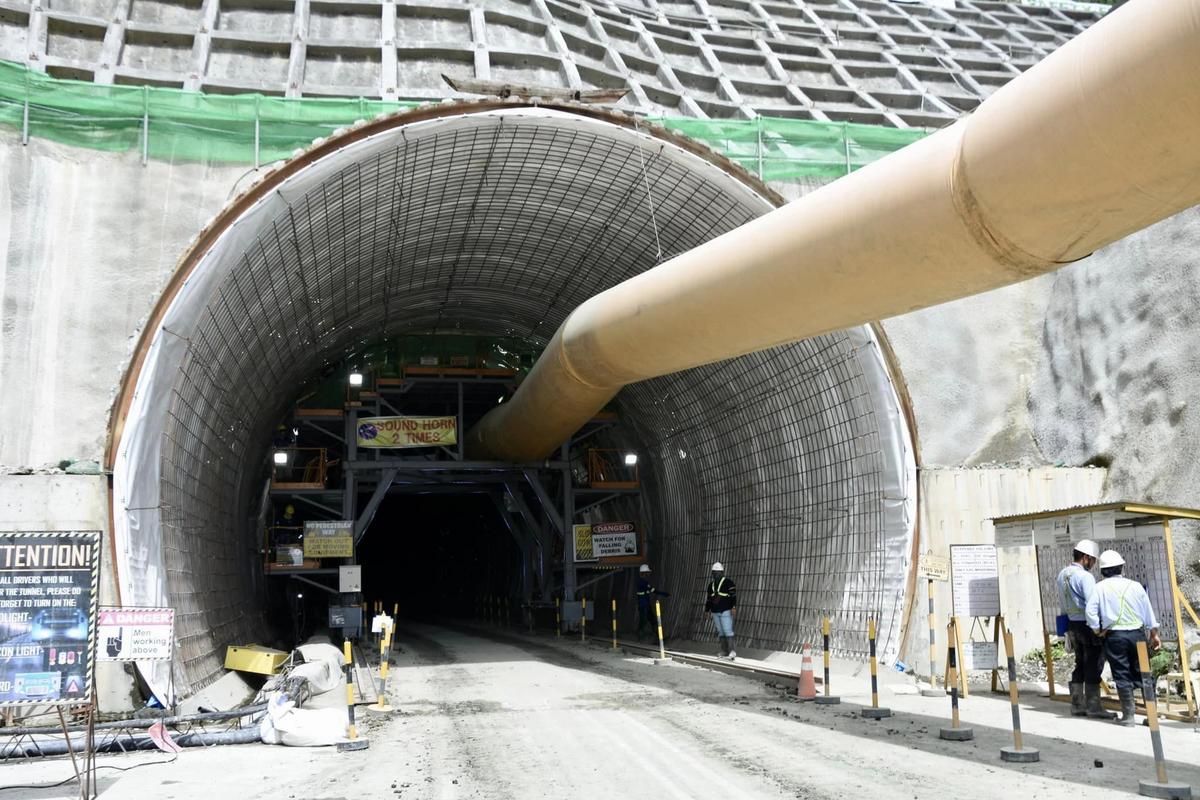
(792, 466)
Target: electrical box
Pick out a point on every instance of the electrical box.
(347, 618)
(254, 658)
(349, 579)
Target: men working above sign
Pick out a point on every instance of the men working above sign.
(1119, 611)
(1075, 587)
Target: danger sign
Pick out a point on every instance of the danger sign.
(135, 634)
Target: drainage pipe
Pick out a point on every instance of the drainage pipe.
(120, 743)
(1099, 140)
(138, 722)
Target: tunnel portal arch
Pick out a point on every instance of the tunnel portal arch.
(793, 466)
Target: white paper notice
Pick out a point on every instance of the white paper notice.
(1104, 525)
(975, 580)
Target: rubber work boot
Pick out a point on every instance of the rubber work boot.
(1077, 703)
(732, 651)
(1092, 699)
(1127, 706)
(724, 646)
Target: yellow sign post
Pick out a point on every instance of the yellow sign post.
(328, 539)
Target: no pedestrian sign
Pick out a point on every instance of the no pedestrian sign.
(136, 634)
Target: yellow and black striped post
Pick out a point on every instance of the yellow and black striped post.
(1160, 786)
(354, 743)
(955, 733)
(875, 711)
(385, 644)
(614, 622)
(1018, 753)
(662, 646)
(557, 618)
(826, 699)
(583, 621)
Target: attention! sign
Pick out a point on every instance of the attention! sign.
(48, 585)
(407, 431)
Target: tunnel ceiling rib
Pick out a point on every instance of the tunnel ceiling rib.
(495, 223)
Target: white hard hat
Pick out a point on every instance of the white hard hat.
(644, 568)
(718, 566)
(1087, 547)
(1111, 558)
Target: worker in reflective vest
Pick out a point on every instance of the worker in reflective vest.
(1075, 588)
(722, 604)
(1119, 611)
(645, 601)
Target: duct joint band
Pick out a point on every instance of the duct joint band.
(991, 241)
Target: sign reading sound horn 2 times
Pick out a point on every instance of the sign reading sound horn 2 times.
(48, 603)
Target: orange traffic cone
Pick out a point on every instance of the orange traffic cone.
(807, 689)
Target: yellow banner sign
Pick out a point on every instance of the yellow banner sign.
(407, 431)
(328, 539)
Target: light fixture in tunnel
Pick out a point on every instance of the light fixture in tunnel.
(299, 595)
(631, 459)
(356, 378)
(281, 457)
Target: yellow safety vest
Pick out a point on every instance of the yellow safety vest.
(714, 588)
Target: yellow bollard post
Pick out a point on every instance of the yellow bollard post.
(826, 699)
(354, 743)
(557, 618)
(875, 711)
(583, 621)
(385, 643)
(662, 647)
(955, 733)
(1160, 786)
(614, 622)
(1018, 753)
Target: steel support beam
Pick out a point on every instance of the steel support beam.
(548, 505)
(381, 490)
(317, 584)
(330, 510)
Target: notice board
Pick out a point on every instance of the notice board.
(48, 605)
(975, 580)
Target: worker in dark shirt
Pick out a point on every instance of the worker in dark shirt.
(722, 604)
(645, 600)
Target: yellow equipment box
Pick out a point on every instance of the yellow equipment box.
(253, 658)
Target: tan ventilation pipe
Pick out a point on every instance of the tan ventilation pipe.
(1099, 140)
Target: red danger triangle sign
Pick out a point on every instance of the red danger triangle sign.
(73, 685)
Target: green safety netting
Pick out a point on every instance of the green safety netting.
(781, 149)
(253, 128)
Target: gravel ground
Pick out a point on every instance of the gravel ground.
(490, 715)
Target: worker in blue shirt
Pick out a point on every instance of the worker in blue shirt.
(646, 592)
(1119, 611)
(1075, 588)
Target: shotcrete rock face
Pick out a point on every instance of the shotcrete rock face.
(501, 222)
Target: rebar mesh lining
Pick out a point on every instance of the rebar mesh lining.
(501, 224)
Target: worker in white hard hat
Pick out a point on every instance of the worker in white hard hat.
(1120, 612)
(722, 604)
(646, 592)
(1075, 587)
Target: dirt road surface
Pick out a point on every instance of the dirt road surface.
(494, 714)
